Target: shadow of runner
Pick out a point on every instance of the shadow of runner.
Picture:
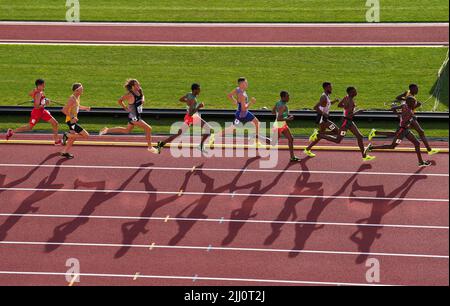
(304, 231)
(289, 210)
(61, 232)
(131, 230)
(26, 176)
(202, 204)
(27, 205)
(245, 212)
(365, 236)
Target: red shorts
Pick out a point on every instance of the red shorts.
(190, 120)
(282, 130)
(39, 114)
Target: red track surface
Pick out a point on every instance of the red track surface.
(227, 34)
(402, 251)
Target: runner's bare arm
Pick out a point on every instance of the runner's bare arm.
(85, 108)
(122, 100)
(231, 96)
(323, 103)
(401, 97)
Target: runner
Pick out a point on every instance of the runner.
(323, 113)
(349, 106)
(281, 110)
(71, 111)
(38, 113)
(133, 102)
(191, 118)
(412, 92)
(406, 120)
(240, 98)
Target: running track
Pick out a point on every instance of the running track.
(171, 224)
(225, 34)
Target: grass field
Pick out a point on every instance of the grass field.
(227, 11)
(166, 73)
(299, 127)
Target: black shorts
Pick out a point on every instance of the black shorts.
(321, 119)
(75, 127)
(132, 119)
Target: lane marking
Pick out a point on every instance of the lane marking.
(222, 146)
(226, 194)
(190, 278)
(246, 170)
(202, 248)
(118, 43)
(223, 220)
(231, 25)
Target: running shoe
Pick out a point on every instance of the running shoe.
(433, 151)
(372, 134)
(314, 135)
(309, 153)
(103, 131)
(159, 146)
(212, 139)
(153, 150)
(295, 159)
(65, 138)
(67, 155)
(426, 163)
(9, 134)
(368, 158)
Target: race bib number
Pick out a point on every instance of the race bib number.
(236, 122)
(398, 141)
(332, 127)
(140, 109)
(343, 133)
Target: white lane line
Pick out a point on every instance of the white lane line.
(246, 170)
(225, 194)
(231, 25)
(347, 44)
(205, 248)
(191, 278)
(223, 220)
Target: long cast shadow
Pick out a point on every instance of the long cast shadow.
(200, 205)
(365, 236)
(304, 231)
(27, 206)
(26, 176)
(289, 212)
(62, 231)
(131, 230)
(244, 213)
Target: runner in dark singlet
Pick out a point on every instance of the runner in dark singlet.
(133, 103)
(349, 106)
(412, 92)
(406, 119)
